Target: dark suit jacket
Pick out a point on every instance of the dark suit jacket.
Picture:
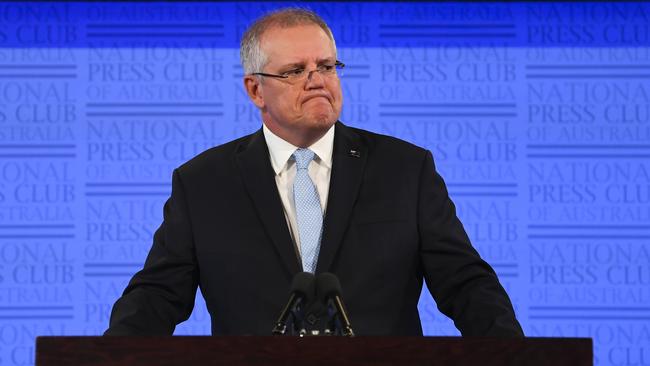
(389, 224)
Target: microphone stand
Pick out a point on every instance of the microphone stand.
(293, 320)
(338, 323)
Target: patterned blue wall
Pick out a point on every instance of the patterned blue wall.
(538, 115)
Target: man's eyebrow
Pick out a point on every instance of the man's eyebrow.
(293, 65)
(327, 59)
(301, 65)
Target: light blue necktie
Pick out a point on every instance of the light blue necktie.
(308, 211)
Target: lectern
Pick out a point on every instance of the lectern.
(312, 351)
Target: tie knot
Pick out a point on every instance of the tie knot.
(303, 157)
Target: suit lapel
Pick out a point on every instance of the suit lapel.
(348, 162)
(255, 167)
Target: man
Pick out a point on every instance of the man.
(307, 193)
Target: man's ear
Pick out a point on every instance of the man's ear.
(254, 89)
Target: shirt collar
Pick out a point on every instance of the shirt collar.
(281, 150)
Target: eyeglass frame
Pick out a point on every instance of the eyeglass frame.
(338, 65)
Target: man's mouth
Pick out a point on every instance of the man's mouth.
(315, 97)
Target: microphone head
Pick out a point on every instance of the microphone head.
(327, 286)
(303, 285)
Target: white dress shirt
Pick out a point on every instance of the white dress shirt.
(320, 169)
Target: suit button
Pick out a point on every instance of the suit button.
(311, 318)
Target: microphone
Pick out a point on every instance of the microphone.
(302, 291)
(329, 292)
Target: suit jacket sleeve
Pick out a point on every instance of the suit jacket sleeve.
(465, 287)
(162, 294)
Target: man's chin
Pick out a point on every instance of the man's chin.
(324, 121)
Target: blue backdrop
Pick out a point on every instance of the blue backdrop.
(538, 116)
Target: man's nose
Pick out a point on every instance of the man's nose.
(315, 79)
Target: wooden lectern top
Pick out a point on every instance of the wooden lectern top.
(312, 351)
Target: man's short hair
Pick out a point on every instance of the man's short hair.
(250, 52)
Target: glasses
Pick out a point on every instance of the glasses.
(300, 74)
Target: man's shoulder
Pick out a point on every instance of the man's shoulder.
(217, 158)
(378, 143)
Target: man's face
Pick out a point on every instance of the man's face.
(302, 112)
